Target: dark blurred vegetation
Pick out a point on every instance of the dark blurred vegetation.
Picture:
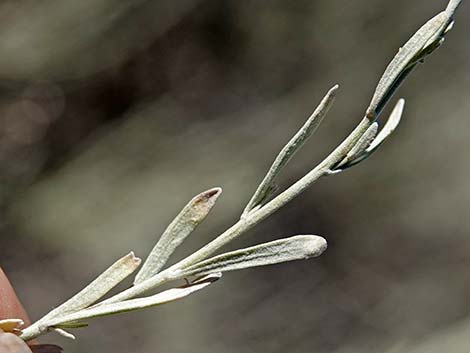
(113, 114)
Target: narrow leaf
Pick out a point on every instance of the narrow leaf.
(422, 43)
(267, 185)
(360, 147)
(185, 222)
(389, 127)
(63, 333)
(294, 248)
(387, 130)
(115, 274)
(135, 304)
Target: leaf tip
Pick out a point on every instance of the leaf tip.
(63, 333)
(207, 197)
(401, 102)
(201, 204)
(332, 92)
(398, 109)
(134, 259)
(210, 278)
(211, 193)
(314, 246)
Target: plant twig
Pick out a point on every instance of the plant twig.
(356, 147)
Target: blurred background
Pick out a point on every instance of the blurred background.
(113, 114)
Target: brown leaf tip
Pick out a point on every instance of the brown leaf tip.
(208, 195)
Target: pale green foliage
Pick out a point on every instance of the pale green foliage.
(185, 222)
(358, 146)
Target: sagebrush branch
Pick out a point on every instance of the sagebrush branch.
(200, 266)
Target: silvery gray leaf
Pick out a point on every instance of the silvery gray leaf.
(114, 275)
(384, 133)
(63, 333)
(185, 222)
(135, 304)
(421, 44)
(389, 127)
(360, 147)
(294, 248)
(267, 185)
